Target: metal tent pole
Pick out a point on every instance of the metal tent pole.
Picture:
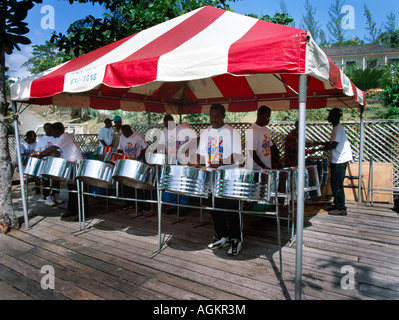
(21, 170)
(359, 195)
(300, 185)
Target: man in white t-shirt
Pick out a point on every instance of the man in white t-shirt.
(172, 139)
(28, 147)
(70, 152)
(220, 145)
(105, 134)
(340, 155)
(43, 143)
(133, 146)
(258, 142)
(117, 133)
(28, 144)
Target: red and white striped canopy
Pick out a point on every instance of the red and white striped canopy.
(185, 64)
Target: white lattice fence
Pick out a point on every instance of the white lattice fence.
(381, 138)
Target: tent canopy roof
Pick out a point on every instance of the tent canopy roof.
(185, 64)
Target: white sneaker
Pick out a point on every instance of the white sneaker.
(218, 243)
(57, 199)
(235, 247)
(50, 201)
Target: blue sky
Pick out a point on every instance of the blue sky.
(65, 14)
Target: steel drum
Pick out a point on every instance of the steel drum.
(312, 183)
(286, 184)
(158, 159)
(135, 174)
(113, 157)
(59, 169)
(33, 166)
(242, 184)
(100, 152)
(186, 180)
(282, 186)
(96, 173)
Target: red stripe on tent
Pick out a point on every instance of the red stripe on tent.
(53, 83)
(141, 67)
(311, 103)
(104, 104)
(335, 74)
(154, 107)
(232, 86)
(268, 47)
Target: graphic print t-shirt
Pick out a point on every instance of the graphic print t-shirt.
(132, 145)
(258, 139)
(218, 144)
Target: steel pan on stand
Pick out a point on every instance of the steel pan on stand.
(113, 157)
(186, 180)
(158, 160)
(135, 174)
(322, 168)
(33, 166)
(96, 173)
(59, 169)
(100, 152)
(242, 184)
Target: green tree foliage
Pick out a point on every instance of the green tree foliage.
(390, 95)
(310, 23)
(366, 79)
(334, 25)
(124, 18)
(45, 56)
(390, 37)
(371, 27)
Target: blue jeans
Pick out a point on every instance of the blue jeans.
(338, 171)
(172, 198)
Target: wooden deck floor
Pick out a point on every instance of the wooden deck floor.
(113, 260)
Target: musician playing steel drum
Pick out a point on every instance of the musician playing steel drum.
(220, 145)
(173, 137)
(133, 146)
(70, 152)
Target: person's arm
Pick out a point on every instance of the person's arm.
(141, 155)
(257, 160)
(329, 145)
(48, 151)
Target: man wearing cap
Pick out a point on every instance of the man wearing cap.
(117, 132)
(105, 133)
(340, 155)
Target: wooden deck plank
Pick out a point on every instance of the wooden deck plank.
(113, 259)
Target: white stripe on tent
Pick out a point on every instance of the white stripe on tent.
(204, 54)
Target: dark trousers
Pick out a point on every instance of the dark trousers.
(130, 192)
(55, 185)
(73, 204)
(227, 224)
(338, 171)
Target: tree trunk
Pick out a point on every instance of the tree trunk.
(7, 214)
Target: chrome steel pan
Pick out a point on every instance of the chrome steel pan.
(99, 153)
(112, 157)
(135, 174)
(186, 180)
(312, 183)
(59, 169)
(282, 185)
(96, 173)
(158, 158)
(241, 184)
(33, 166)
